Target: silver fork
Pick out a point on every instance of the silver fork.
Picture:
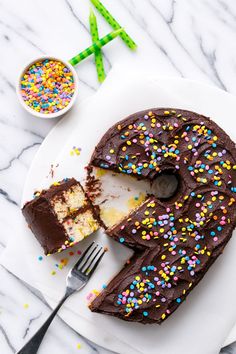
(76, 279)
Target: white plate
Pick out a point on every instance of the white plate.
(193, 96)
(190, 89)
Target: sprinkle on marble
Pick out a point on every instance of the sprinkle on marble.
(40, 258)
(26, 306)
(79, 346)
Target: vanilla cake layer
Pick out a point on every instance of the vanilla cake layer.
(81, 226)
(68, 202)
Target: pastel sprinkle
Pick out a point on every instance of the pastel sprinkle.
(75, 151)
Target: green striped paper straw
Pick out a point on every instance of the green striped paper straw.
(114, 24)
(95, 46)
(98, 53)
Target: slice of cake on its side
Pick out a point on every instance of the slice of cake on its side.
(60, 216)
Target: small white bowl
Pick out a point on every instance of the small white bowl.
(47, 115)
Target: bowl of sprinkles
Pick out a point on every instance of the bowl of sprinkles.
(47, 87)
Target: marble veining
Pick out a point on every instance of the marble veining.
(187, 38)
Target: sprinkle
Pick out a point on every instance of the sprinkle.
(78, 346)
(53, 272)
(40, 258)
(122, 240)
(75, 151)
(26, 306)
(145, 313)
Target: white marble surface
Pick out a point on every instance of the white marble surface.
(189, 38)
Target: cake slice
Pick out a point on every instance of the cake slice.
(60, 216)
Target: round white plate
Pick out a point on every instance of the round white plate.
(186, 90)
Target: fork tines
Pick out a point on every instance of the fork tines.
(87, 265)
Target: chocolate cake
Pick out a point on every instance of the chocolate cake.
(177, 239)
(60, 216)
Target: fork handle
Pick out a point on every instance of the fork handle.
(32, 346)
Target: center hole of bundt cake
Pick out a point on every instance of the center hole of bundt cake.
(165, 185)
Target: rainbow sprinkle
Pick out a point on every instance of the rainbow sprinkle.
(75, 151)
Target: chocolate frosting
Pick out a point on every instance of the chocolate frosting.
(175, 240)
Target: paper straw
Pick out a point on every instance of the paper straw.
(98, 53)
(114, 24)
(96, 45)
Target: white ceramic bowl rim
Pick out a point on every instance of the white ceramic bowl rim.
(47, 115)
